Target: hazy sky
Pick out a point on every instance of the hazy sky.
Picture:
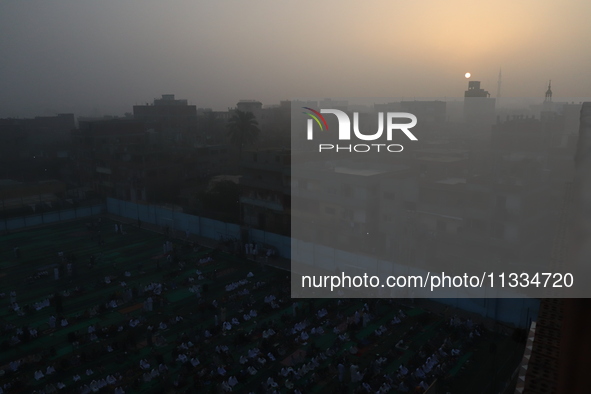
(104, 56)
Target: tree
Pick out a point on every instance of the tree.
(243, 129)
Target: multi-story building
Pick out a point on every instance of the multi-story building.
(117, 159)
(37, 148)
(211, 127)
(499, 221)
(44, 130)
(479, 107)
(426, 111)
(264, 190)
(253, 106)
(175, 119)
(349, 207)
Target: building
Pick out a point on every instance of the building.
(479, 107)
(347, 206)
(253, 106)
(487, 220)
(264, 190)
(427, 111)
(116, 158)
(175, 119)
(46, 140)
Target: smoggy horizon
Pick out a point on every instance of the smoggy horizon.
(99, 58)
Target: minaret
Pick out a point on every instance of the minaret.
(548, 98)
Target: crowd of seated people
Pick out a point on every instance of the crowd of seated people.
(251, 338)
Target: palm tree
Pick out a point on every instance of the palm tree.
(243, 129)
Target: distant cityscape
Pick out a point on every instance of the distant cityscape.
(485, 185)
(170, 152)
(479, 177)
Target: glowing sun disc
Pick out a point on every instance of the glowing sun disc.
(467, 75)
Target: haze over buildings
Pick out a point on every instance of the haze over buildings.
(125, 112)
(97, 58)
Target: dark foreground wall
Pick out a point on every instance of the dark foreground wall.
(575, 346)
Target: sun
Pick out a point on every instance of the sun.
(467, 75)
